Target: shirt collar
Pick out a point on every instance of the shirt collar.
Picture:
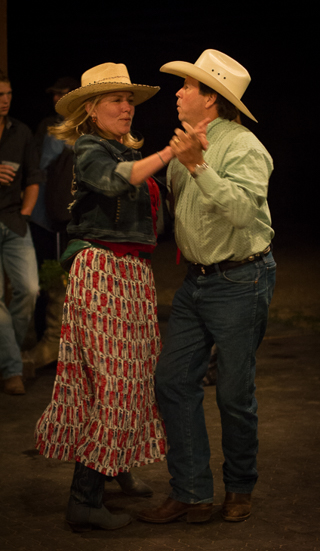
(118, 145)
(8, 123)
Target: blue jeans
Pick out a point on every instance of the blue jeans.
(230, 309)
(18, 259)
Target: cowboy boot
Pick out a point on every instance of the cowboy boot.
(172, 509)
(47, 349)
(133, 486)
(236, 507)
(14, 386)
(85, 508)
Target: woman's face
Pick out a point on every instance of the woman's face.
(114, 114)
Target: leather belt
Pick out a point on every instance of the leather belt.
(201, 269)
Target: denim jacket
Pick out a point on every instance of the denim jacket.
(106, 205)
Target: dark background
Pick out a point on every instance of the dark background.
(275, 42)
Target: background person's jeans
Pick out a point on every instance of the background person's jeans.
(230, 309)
(18, 259)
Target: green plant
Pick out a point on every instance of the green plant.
(51, 275)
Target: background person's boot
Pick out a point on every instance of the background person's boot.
(47, 349)
(14, 386)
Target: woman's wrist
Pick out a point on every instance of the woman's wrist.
(165, 155)
(144, 168)
(161, 159)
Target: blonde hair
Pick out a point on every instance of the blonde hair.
(80, 122)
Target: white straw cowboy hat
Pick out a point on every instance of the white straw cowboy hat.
(104, 78)
(218, 71)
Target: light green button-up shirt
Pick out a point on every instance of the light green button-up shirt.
(223, 214)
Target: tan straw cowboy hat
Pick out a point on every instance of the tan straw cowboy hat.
(218, 71)
(104, 78)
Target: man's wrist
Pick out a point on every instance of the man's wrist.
(199, 169)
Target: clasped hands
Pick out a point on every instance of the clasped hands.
(188, 146)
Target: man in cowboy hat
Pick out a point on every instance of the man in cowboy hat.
(60, 88)
(219, 182)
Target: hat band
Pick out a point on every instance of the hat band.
(111, 80)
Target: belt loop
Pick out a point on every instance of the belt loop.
(217, 269)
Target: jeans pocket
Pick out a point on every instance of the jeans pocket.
(269, 261)
(244, 275)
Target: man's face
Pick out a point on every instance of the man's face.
(5, 98)
(191, 104)
(59, 95)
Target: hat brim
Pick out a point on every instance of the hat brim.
(71, 101)
(184, 69)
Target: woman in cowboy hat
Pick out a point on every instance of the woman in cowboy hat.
(103, 411)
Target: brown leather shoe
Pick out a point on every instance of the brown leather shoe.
(14, 385)
(172, 509)
(236, 507)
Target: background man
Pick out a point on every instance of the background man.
(48, 225)
(60, 88)
(223, 228)
(19, 185)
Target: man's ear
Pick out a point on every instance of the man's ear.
(210, 100)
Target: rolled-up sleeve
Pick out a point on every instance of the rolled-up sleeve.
(99, 171)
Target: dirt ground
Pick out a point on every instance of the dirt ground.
(285, 517)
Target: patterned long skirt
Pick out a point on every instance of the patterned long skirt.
(103, 411)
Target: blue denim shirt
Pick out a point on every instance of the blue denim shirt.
(106, 205)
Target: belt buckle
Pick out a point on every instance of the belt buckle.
(253, 256)
(202, 268)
